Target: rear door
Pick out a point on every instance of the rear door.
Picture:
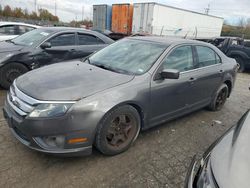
(207, 76)
(87, 44)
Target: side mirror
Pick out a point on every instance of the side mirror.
(45, 45)
(170, 74)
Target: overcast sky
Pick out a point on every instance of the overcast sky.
(67, 10)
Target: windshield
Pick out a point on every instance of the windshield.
(33, 37)
(128, 56)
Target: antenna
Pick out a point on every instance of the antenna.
(207, 9)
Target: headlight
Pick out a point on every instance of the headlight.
(4, 56)
(50, 110)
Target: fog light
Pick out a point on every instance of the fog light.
(54, 141)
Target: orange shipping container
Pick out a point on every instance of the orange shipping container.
(122, 15)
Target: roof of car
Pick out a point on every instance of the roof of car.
(18, 23)
(64, 28)
(166, 40)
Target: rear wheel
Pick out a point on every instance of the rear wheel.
(241, 64)
(219, 98)
(9, 72)
(118, 130)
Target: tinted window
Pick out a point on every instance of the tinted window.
(8, 30)
(85, 39)
(23, 29)
(67, 39)
(181, 59)
(206, 56)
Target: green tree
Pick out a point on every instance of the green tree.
(7, 11)
(18, 13)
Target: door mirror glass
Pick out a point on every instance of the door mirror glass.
(46, 45)
(170, 74)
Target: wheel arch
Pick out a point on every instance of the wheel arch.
(229, 85)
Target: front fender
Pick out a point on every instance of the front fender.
(89, 111)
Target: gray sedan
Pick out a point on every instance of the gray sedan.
(106, 99)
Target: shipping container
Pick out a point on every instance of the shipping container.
(122, 15)
(102, 17)
(158, 19)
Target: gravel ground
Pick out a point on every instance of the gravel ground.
(159, 158)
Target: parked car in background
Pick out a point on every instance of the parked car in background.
(10, 30)
(239, 50)
(112, 35)
(45, 46)
(234, 47)
(226, 163)
(131, 85)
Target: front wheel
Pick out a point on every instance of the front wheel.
(219, 99)
(9, 72)
(118, 130)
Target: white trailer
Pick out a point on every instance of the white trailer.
(159, 19)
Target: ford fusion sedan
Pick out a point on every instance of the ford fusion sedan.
(104, 101)
(226, 163)
(45, 46)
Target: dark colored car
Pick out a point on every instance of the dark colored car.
(226, 163)
(239, 50)
(45, 46)
(233, 47)
(131, 85)
(113, 35)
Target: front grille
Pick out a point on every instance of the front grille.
(18, 101)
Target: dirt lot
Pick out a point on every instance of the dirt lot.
(159, 158)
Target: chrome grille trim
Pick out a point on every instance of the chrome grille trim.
(15, 108)
(23, 104)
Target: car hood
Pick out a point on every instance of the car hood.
(9, 47)
(72, 80)
(230, 159)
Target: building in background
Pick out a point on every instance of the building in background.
(102, 15)
(158, 19)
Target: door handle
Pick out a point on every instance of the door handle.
(72, 50)
(221, 71)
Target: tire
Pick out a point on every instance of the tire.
(118, 130)
(241, 64)
(9, 72)
(219, 99)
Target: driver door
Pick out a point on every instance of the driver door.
(62, 48)
(168, 96)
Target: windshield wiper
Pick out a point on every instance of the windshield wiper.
(111, 69)
(10, 41)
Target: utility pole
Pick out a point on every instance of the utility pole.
(82, 12)
(35, 5)
(207, 9)
(55, 9)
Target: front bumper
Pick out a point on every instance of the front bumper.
(31, 133)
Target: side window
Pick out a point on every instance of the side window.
(206, 57)
(23, 29)
(85, 39)
(181, 59)
(9, 30)
(66, 39)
